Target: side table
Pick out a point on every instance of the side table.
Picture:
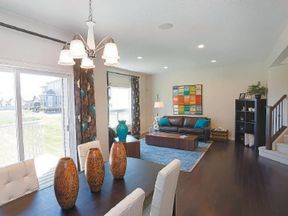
(132, 146)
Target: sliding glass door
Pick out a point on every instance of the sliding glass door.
(34, 117)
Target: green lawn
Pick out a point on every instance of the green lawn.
(53, 135)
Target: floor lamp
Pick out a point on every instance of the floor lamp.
(158, 104)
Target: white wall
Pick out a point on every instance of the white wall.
(221, 86)
(277, 86)
(277, 83)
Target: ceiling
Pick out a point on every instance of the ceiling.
(235, 31)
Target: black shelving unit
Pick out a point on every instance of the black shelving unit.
(252, 122)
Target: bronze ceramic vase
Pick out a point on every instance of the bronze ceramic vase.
(66, 183)
(95, 169)
(118, 160)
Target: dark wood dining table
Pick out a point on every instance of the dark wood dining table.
(139, 173)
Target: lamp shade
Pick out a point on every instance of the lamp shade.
(65, 59)
(111, 62)
(110, 50)
(77, 49)
(159, 104)
(87, 63)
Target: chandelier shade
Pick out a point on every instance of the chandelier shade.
(87, 63)
(65, 58)
(110, 50)
(77, 49)
(111, 62)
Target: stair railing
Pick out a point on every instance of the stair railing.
(274, 121)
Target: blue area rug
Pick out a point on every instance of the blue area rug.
(161, 155)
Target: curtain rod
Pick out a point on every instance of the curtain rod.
(31, 33)
(122, 74)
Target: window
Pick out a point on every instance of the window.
(119, 105)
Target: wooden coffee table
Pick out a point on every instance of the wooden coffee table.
(172, 141)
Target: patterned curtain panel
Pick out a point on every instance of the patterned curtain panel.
(85, 114)
(135, 99)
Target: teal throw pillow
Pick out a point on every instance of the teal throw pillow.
(164, 122)
(201, 123)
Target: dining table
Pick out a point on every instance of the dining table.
(139, 173)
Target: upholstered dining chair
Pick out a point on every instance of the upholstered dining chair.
(17, 180)
(164, 191)
(83, 150)
(131, 205)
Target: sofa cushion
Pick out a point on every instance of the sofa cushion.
(190, 121)
(176, 121)
(196, 131)
(164, 122)
(201, 123)
(168, 128)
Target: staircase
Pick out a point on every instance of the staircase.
(276, 133)
(279, 150)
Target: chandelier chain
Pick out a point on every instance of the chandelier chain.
(90, 17)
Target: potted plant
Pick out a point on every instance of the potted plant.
(257, 90)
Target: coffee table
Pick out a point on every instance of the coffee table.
(172, 141)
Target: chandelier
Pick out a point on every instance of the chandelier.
(79, 49)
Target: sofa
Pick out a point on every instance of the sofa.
(185, 125)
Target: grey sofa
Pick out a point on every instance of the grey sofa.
(185, 125)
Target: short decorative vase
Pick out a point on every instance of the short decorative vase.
(122, 130)
(95, 169)
(258, 96)
(66, 183)
(118, 160)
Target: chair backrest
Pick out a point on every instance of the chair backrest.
(17, 180)
(165, 188)
(83, 150)
(131, 205)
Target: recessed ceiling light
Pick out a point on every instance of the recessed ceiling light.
(201, 46)
(165, 26)
(139, 57)
(213, 61)
(165, 67)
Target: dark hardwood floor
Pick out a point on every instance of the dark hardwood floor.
(233, 180)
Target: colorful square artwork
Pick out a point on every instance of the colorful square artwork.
(187, 99)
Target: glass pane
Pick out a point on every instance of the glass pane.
(119, 105)
(42, 121)
(8, 140)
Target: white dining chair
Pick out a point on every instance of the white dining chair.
(17, 180)
(131, 205)
(164, 191)
(83, 150)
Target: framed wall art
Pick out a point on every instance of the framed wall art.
(187, 100)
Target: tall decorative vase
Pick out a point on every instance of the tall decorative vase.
(95, 169)
(122, 130)
(66, 183)
(118, 160)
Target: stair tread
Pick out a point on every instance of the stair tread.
(263, 148)
(283, 144)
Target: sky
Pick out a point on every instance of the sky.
(30, 84)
